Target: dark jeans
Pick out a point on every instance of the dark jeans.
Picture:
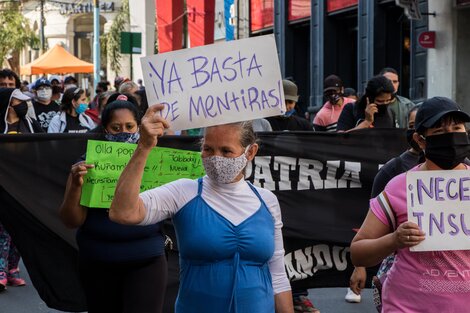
(124, 287)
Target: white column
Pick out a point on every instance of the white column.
(441, 60)
(142, 16)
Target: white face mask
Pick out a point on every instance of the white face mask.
(45, 94)
(224, 170)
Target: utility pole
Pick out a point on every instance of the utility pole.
(41, 28)
(96, 43)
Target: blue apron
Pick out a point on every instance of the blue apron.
(224, 268)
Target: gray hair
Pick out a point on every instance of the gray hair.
(247, 134)
(127, 87)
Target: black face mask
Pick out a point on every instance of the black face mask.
(333, 98)
(409, 138)
(447, 150)
(383, 118)
(21, 109)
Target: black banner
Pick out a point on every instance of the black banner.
(322, 181)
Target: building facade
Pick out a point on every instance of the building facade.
(355, 39)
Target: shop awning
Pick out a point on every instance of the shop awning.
(56, 60)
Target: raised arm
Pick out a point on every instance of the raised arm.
(71, 212)
(127, 207)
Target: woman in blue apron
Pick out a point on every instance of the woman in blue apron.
(228, 231)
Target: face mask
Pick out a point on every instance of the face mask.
(45, 94)
(81, 108)
(409, 138)
(224, 170)
(382, 109)
(447, 150)
(21, 109)
(123, 137)
(289, 113)
(334, 98)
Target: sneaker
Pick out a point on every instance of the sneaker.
(3, 281)
(14, 279)
(302, 304)
(351, 297)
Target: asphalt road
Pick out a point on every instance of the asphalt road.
(328, 300)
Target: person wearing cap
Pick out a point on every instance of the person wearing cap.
(372, 109)
(16, 118)
(400, 105)
(290, 120)
(70, 82)
(434, 281)
(44, 107)
(400, 164)
(327, 118)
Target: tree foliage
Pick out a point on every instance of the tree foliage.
(16, 32)
(111, 41)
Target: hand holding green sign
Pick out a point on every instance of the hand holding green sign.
(110, 158)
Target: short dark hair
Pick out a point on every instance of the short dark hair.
(107, 113)
(7, 73)
(388, 70)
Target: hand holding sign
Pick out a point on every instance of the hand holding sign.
(153, 126)
(77, 172)
(408, 235)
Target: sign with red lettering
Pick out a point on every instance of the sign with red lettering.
(427, 39)
(439, 202)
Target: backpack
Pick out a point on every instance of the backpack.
(387, 263)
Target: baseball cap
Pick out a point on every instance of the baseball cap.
(70, 80)
(41, 82)
(332, 82)
(54, 77)
(17, 94)
(433, 109)
(290, 90)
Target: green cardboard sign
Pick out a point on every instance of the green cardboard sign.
(163, 165)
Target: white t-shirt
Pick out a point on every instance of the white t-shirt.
(236, 202)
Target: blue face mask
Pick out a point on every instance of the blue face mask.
(289, 113)
(81, 108)
(123, 137)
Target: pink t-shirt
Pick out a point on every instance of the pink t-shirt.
(437, 281)
(329, 114)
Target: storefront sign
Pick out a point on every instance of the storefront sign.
(427, 39)
(72, 8)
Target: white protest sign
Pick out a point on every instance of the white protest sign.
(439, 202)
(216, 84)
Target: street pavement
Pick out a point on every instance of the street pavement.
(328, 300)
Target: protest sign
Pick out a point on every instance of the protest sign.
(216, 84)
(163, 165)
(439, 202)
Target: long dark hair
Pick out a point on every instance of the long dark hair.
(69, 95)
(375, 86)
